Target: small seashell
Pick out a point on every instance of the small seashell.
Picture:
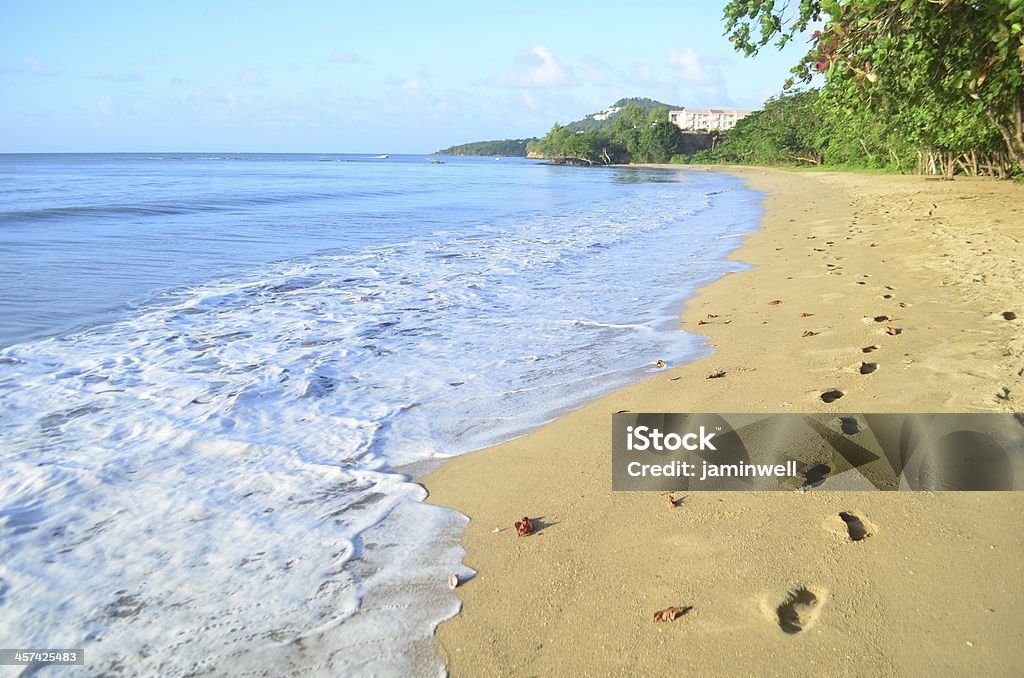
(453, 581)
(659, 363)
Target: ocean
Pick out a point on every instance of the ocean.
(216, 371)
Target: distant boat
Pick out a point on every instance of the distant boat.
(381, 157)
(436, 161)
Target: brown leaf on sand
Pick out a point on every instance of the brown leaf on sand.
(671, 613)
(717, 374)
(893, 331)
(775, 302)
(671, 501)
(806, 315)
(524, 527)
(808, 333)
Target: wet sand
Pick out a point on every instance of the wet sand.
(937, 585)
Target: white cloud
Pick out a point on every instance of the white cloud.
(36, 67)
(105, 106)
(694, 73)
(643, 73)
(535, 69)
(595, 70)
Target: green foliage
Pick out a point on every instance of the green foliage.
(789, 130)
(635, 135)
(507, 147)
(942, 74)
(590, 122)
(597, 142)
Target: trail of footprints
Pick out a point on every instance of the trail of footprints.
(867, 366)
(803, 604)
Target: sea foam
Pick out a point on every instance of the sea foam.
(209, 483)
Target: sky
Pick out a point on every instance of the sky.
(360, 77)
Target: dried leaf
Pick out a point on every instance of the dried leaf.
(717, 374)
(893, 330)
(671, 613)
(671, 501)
(775, 302)
(524, 527)
(808, 333)
(806, 315)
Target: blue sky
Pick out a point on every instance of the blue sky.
(351, 76)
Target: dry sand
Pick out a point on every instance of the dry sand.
(938, 586)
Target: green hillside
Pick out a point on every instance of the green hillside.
(603, 119)
(507, 147)
(597, 122)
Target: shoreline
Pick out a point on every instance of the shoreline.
(939, 260)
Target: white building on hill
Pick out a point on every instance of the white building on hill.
(706, 119)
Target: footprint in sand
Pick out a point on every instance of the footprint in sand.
(1008, 315)
(801, 609)
(856, 527)
(849, 425)
(832, 395)
(850, 526)
(868, 368)
(869, 349)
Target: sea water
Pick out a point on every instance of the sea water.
(213, 368)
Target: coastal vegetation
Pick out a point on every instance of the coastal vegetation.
(632, 135)
(933, 87)
(498, 147)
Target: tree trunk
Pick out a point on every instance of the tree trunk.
(1014, 139)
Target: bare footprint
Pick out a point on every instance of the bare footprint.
(869, 349)
(868, 368)
(850, 526)
(832, 395)
(856, 527)
(801, 608)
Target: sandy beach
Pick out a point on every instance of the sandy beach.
(937, 586)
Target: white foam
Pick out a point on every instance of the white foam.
(208, 484)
